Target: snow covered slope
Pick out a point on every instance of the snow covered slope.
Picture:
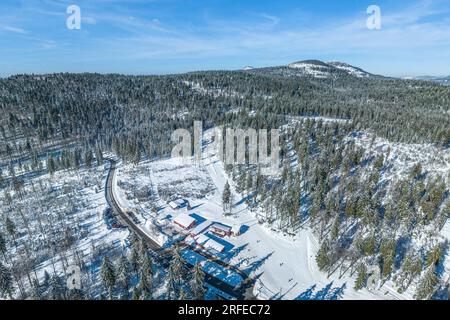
(284, 265)
(351, 70)
(316, 69)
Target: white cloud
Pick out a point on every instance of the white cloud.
(272, 19)
(48, 44)
(14, 29)
(401, 31)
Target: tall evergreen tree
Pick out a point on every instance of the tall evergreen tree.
(36, 290)
(123, 276)
(10, 227)
(226, 198)
(57, 288)
(136, 293)
(51, 165)
(108, 275)
(175, 274)
(88, 158)
(198, 283)
(323, 256)
(146, 275)
(361, 279)
(6, 283)
(135, 259)
(46, 282)
(98, 156)
(76, 294)
(427, 285)
(3, 246)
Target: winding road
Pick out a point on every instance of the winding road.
(240, 293)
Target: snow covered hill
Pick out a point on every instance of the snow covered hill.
(351, 70)
(316, 69)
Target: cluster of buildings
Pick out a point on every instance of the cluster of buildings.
(199, 231)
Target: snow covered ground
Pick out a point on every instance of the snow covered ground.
(63, 223)
(323, 70)
(284, 265)
(350, 69)
(435, 162)
(217, 92)
(315, 70)
(402, 157)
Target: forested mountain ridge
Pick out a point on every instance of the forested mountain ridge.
(141, 111)
(441, 80)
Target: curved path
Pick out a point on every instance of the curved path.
(243, 292)
(118, 210)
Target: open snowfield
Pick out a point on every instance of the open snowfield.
(284, 265)
(217, 92)
(63, 225)
(402, 157)
(317, 71)
(435, 161)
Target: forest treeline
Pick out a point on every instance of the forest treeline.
(135, 115)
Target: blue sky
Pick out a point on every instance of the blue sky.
(170, 36)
